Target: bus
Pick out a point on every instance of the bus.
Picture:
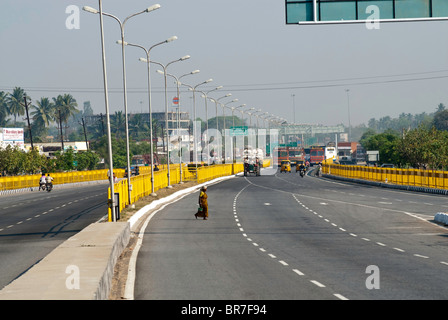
(330, 152)
(317, 155)
(296, 155)
(280, 153)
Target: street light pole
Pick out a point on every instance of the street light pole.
(166, 113)
(147, 52)
(122, 25)
(178, 114)
(348, 108)
(193, 88)
(106, 100)
(205, 96)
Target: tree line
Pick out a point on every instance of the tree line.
(60, 117)
(425, 146)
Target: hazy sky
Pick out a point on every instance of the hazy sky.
(244, 45)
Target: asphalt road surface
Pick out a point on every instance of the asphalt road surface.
(282, 237)
(32, 224)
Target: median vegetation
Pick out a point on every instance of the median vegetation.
(421, 147)
(14, 161)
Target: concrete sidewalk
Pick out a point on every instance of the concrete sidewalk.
(78, 269)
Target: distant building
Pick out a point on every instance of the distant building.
(50, 148)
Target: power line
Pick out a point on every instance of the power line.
(256, 87)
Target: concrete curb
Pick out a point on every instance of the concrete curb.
(441, 218)
(153, 205)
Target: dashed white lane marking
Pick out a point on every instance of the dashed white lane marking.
(368, 240)
(420, 256)
(43, 213)
(284, 263)
(298, 272)
(340, 296)
(317, 283)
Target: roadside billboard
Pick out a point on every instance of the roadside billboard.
(12, 136)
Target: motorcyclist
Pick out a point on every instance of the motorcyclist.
(49, 181)
(319, 170)
(42, 182)
(302, 169)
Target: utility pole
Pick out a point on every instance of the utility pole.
(28, 118)
(85, 134)
(102, 123)
(60, 125)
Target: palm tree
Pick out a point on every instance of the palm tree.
(15, 103)
(3, 108)
(65, 107)
(43, 114)
(118, 122)
(137, 125)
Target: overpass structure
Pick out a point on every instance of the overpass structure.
(309, 129)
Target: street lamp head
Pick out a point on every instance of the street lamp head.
(160, 71)
(184, 58)
(171, 39)
(209, 80)
(220, 87)
(195, 71)
(122, 42)
(90, 9)
(153, 7)
(143, 60)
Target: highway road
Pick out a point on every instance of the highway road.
(33, 223)
(283, 237)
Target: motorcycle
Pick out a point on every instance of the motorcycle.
(42, 186)
(302, 173)
(49, 186)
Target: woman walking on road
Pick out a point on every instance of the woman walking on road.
(203, 204)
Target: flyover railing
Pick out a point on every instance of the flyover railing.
(29, 181)
(141, 184)
(411, 177)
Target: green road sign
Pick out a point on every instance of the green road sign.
(238, 131)
(324, 11)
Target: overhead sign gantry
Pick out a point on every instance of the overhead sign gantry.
(361, 11)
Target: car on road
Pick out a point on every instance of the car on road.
(387, 165)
